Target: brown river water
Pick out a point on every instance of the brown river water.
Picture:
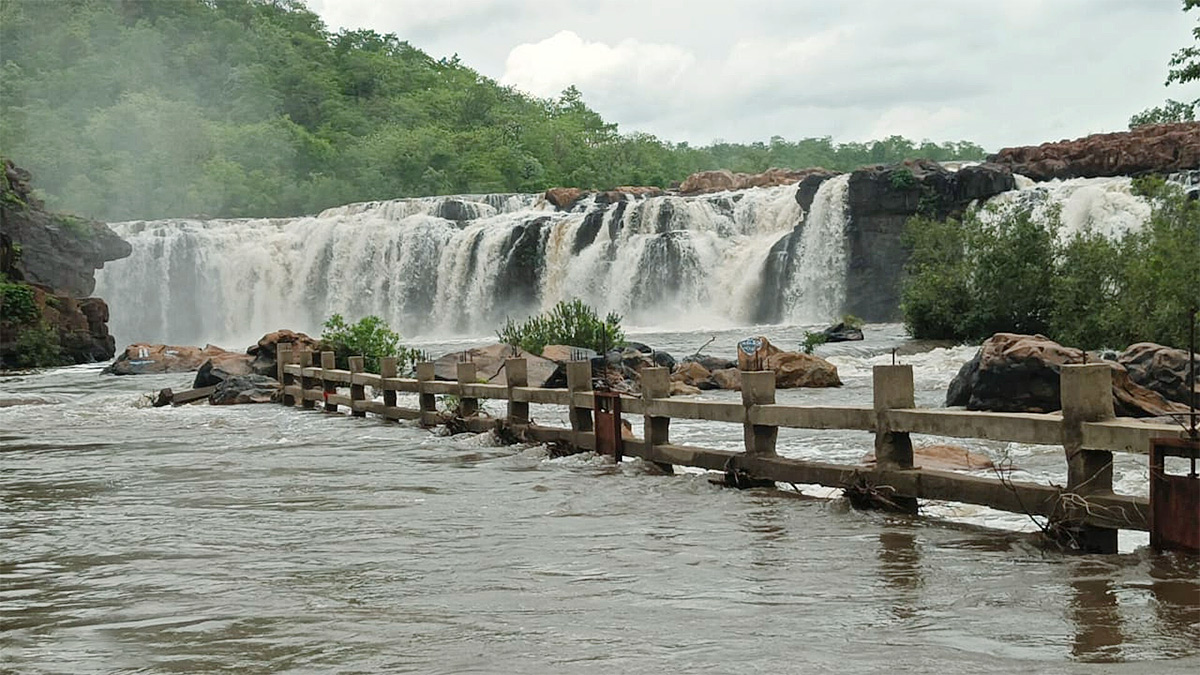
(261, 539)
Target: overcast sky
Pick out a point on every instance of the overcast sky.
(998, 72)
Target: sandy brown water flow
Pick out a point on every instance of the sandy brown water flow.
(262, 539)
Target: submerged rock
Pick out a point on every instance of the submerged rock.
(842, 332)
(246, 389)
(943, 458)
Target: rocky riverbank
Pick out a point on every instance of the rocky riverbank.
(47, 273)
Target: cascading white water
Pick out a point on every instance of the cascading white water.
(1106, 206)
(814, 295)
(455, 265)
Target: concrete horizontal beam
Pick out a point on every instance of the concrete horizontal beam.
(715, 411)
(813, 417)
(493, 391)
(1014, 427)
(339, 376)
(439, 387)
(366, 379)
(539, 395)
(404, 384)
(1125, 434)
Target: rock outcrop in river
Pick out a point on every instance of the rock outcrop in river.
(47, 267)
(1155, 148)
(1020, 373)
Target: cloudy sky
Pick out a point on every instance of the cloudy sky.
(998, 72)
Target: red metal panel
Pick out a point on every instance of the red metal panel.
(1174, 499)
(608, 424)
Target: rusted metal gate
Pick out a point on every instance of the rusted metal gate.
(1174, 498)
(608, 424)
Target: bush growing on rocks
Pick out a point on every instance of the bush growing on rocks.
(571, 323)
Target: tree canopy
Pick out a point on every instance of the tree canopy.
(129, 110)
(1183, 67)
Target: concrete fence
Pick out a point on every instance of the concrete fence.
(1087, 430)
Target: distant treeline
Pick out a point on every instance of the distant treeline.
(127, 109)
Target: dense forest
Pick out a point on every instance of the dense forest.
(130, 109)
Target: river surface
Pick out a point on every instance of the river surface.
(260, 539)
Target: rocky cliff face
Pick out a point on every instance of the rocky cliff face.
(1156, 148)
(47, 266)
(58, 251)
(881, 200)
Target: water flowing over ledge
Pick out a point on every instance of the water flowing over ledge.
(461, 264)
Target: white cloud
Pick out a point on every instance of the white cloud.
(1014, 72)
(626, 70)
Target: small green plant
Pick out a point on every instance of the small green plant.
(851, 321)
(902, 179)
(812, 340)
(17, 304)
(74, 224)
(567, 323)
(370, 338)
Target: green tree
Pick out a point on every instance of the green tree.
(370, 338)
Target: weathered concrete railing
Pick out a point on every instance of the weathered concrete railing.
(1087, 429)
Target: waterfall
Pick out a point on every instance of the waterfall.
(461, 264)
(1106, 206)
(814, 294)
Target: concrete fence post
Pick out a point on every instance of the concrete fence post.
(388, 367)
(656, 383)
(468, 406)
(428, 401)
(516, 374)
(892, 388)
(306, 382)
(579, 378)
(758, 388)
(1086, 395)
(328, 386)
(358, 392)
(283, 358)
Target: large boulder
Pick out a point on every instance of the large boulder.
(728, 378)
(792, 369)
(563, 198)
(564, 353)
(1161, 369)
(710, 363)
(1020, 373)
(693, 374)
(211, 373)
(266, 349)
(146, 359)
(1157, 148)
(246, 389)
(723, 179)
(489, 366)
(797, 369)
